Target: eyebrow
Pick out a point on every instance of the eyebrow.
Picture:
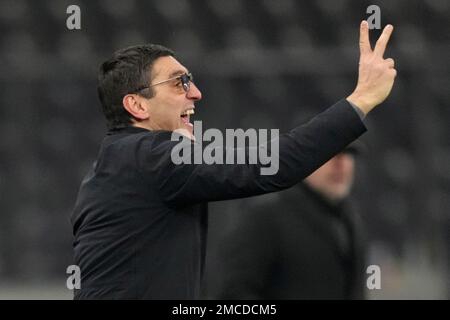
(177, 73)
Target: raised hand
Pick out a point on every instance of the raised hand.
(376, 74)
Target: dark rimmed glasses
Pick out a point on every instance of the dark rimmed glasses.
(185, 81)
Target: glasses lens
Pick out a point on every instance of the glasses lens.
(186, 81)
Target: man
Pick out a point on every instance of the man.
(139, 221)
(305, 244)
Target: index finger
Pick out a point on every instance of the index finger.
(364, 42)
(383, 40)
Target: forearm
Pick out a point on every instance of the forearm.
(301, 151)
(307, 147)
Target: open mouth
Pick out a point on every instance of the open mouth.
(185, 116)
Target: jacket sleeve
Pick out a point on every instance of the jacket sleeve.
(301, 151)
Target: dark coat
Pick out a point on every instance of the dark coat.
(139, 222)
(296, 246)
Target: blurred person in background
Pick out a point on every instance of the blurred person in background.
(313, 249)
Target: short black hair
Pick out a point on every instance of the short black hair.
(125, 72)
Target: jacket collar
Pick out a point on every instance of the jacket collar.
(128, 129)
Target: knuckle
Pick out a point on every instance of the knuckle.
(391, 63)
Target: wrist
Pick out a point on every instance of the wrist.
(359, 101)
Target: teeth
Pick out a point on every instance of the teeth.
(188, 112)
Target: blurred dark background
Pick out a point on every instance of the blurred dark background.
(259, 64)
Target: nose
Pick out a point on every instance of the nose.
(194, 93)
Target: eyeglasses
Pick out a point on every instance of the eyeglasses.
(185, 81)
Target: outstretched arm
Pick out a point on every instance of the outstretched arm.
(301, 151)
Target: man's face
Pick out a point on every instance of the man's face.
(335, 178)
(167, 108)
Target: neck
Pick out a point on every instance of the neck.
(143, 125)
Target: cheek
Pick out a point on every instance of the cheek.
(166, 115)
(166, 111)
(174, 120)
(349, 170)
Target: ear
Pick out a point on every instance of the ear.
(135, 106)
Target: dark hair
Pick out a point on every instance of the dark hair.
(126, 72)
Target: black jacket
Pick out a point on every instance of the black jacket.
(139, 221)
(296, 246)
